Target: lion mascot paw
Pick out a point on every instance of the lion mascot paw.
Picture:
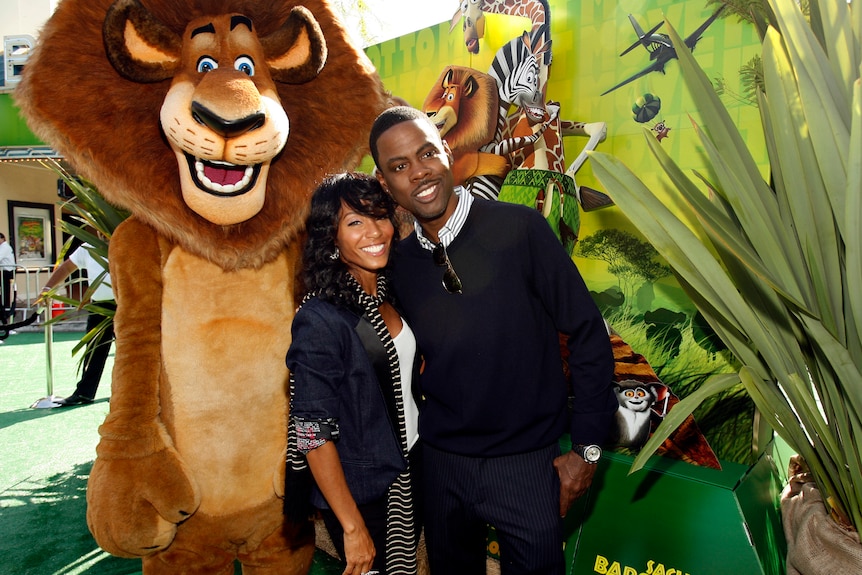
(211, 121)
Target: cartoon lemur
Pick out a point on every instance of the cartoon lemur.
(635, 415)
(644, 400)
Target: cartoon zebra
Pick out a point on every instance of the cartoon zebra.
(517, 70)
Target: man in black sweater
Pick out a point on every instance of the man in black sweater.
(487, 289)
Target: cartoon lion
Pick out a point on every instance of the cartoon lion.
(463, 105)
(211, 121)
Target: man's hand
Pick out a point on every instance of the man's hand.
(42, 299)
(576, 476)
(60, 273)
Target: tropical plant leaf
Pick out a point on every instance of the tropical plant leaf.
(853, 218)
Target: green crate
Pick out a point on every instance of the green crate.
(674, 518)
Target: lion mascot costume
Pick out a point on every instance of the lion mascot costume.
(211, 121)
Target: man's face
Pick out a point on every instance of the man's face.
(416, 168)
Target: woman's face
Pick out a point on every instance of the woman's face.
(364, 241)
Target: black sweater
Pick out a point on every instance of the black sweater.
(493, 380)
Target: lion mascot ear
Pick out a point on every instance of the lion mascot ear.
(142, 49)
(295, 52)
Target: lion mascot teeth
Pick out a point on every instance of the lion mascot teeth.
(211, 121)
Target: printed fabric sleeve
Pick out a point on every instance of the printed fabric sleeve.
(312, 434)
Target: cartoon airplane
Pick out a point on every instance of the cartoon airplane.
(659, 46)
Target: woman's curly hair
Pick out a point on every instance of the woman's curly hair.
(321, 274)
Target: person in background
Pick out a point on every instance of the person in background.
(7, 274)
(353, 415)
(100, 346)
(487, 289)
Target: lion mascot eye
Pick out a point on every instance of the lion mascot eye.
(206, 64)
(245, 65)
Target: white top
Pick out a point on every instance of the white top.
(83, 260)
(7, 257)
(405, 346)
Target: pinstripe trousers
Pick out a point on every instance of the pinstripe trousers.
(518, 494)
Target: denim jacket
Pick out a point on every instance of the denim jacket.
(336, 380)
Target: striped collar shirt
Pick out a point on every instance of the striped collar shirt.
(454, 224)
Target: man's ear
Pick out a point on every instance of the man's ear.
(381, 179)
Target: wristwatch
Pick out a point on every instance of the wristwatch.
(590, 453)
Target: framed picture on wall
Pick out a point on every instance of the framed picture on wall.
(32, 233)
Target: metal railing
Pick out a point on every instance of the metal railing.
(27, 288)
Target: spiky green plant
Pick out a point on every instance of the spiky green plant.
(93, 222)
(777, 268)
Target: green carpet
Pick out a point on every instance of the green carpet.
(45, 458)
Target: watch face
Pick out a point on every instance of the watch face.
(592, 453)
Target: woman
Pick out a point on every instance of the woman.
(352, 362)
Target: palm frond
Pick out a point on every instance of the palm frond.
(94, 220)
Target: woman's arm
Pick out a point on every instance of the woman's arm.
(326, 467)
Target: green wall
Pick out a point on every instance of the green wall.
(13, 129)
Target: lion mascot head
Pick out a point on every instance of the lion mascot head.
(211, 121)
(271, 92)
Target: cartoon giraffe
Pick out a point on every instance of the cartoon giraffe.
(473, 14)
(547, 152)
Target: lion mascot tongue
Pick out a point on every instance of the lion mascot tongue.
(211, 121)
